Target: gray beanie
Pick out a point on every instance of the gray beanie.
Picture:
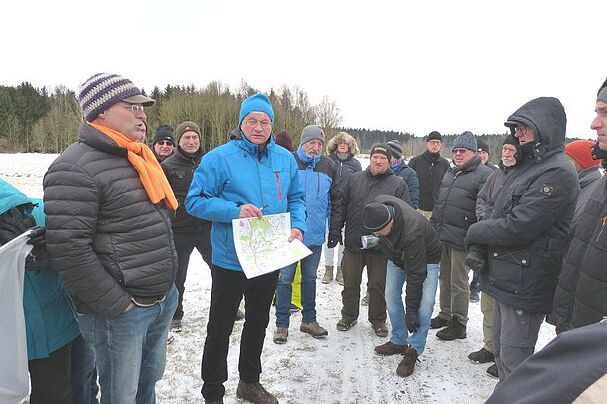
(312, 132)
(466, 140)
(396, 148)
(602, 96)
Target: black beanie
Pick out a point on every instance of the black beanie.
(381, 149)
(164, 132)
(482, 145)
(434, 135)
(376, 216)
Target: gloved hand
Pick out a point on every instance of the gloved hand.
(13, 223)
(37, 259)
(412, 320)
(476, 259)
(334, 238)
(37, 237)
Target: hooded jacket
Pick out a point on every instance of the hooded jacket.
(527, 231)
(104, 236)
(348, 166)
(455, 208)
(238, 173)
(430, 169)
(323, 196)
(411, 245)
(50, 319)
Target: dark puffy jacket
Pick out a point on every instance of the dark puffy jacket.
(430, 169)
(484, 200)
(527, 232)
(411, 245)
(455, 208)
(362, 189)
(323, 196)
(104, 236)
(345, 168)
(410, 176)
(179, 169)
(581, 296)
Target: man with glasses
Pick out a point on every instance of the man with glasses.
(430, 168)
(108, 207)
(247, 177)
(526, 233)
(453, 213)
(164, 143)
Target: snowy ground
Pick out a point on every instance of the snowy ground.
(339, 369)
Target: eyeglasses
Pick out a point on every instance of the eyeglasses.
(135, 107)
(521, 129)
(254, 122)
(164, 143)
(434, 142)
(459, 151)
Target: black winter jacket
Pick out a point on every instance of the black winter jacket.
(455, 208)
(363, 188)
(527, 231)
(411, 245)
(179, 169)
(345, 168)
(430, 169)
(104, 236)
(581, 296)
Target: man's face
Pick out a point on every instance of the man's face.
(524, 134)
(163, 148)
(484, 156)
(257, 127)
(599, 123)
(379, 164)
(434, 145)
(189, 142)
(461, 156)
(343, 148)
(128, 119)
(508, 155)
(385, 231)
(312, 148)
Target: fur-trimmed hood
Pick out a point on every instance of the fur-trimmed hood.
(340, 137)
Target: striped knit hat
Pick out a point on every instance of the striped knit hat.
(103, 90)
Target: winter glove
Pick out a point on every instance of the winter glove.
(334, 238)
(37, 259)
(476, 259)
(37, 237)
(412, 320)
(13, 223)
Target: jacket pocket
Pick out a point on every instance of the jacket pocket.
(506, 266)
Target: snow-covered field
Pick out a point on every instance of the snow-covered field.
(339, 369)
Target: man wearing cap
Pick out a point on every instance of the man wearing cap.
(430, 168)
(164, 143)
(453, 213)
(581, 295)
(190, 232)
(323, 201)
(108, 206)
(361, 189)
(247, 177)
(400, 168)
(410, 243)
(526, 233)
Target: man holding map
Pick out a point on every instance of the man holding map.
(247, 177)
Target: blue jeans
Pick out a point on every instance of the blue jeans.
(309, 266)
(395, 279)
(84, 372)
(131, 350)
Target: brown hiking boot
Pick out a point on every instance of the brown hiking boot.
(492, 371)
(314, 329)
(328, 277)
(406, 366)
(482, 356)
(339, 276)
(389, 348)
(438, 322)
(381, 330)
(254, 393)
(345, 325)
(454, 330)
(281, 335)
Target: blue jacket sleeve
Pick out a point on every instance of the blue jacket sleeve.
(413, 184)
(295, 199)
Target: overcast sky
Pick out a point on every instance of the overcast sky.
(413, 66)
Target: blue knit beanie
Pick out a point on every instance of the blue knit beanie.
(466, 140)
(256, 103)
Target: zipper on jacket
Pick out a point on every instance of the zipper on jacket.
(278, 185)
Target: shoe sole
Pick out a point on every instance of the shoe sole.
(280, 341)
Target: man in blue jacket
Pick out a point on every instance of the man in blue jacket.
(323, 201)
(246, 177)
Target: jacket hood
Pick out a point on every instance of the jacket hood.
(11, 197)
(244, 143)
(546, 116)
(343, 137)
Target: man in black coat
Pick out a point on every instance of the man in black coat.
(526, 234)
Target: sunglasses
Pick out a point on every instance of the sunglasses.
(165, 143)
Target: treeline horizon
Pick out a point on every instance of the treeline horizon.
(38, 120)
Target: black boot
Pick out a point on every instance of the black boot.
(454, 330)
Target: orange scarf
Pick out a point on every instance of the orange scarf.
(144, 162)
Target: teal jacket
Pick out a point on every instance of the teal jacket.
(50, 319)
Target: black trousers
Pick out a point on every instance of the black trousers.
(185, 244)
(226, 293)
(51, 377)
